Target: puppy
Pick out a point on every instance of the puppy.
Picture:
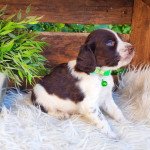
(73, 87)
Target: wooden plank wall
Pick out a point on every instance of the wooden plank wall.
(76, 11)
(140, 36)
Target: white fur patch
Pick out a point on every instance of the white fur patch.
(53, 103)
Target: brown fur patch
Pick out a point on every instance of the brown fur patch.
(95, 51)
(61, 83)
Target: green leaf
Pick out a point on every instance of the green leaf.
(12, 35)
(3, 9)
(110, 26)
(33, 22)
(9, 25)
(6, 47)
(28, 9)
(29, 78)
(19, 15)
(10, 17)
(20, 74)
(5, 32)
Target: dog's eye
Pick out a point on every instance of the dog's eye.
(110, 43)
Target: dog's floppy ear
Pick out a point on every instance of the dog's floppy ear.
(86, 61)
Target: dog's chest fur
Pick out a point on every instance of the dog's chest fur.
(90, 85)
(93, 90)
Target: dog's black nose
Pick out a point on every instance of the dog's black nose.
(130, 48)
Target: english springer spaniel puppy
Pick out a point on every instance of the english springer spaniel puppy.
(84, 85)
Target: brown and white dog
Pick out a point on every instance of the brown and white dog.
(70, 88)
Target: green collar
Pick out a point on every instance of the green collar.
(108, 72)
(99, 71)
(102, 72)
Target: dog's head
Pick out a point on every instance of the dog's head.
(104, 48)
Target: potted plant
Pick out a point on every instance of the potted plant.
(20, 51)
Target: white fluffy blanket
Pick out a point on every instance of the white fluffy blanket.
(24, 127)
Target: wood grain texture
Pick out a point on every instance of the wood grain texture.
(64, 46)
(140, 36)
(76, 11)
(147, 2)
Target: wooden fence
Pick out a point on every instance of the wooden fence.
(65, 46)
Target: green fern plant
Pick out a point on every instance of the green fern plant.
(20, 51)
